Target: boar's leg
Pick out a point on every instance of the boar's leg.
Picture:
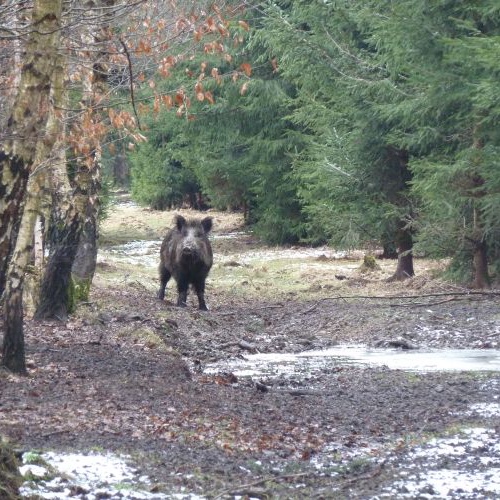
(199, 286)
(182, 289)
(164, 277)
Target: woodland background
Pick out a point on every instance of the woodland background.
(353, 123)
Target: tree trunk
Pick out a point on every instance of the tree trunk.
(389, 250)
(13, 175)
(13, 355)
(88, 182)
(56, 299)
(29, 117)
(86, 256)
(13, 348)
(480, 265)
(404, 243)
(13, 180)
(88, 177)
(121, 174)
(480, 249)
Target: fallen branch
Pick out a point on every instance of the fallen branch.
(247, 345)
(242, 344)
(369, 475)
(231, 313)
(292, 392)
(424, 304)
(303, 392)
(243, 487)
(469, 293)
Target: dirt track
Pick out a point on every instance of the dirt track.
(126, 375)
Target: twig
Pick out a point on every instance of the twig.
(302, 392)
(55, 433)
(131, 76)
(238, 489)
(260, 386)
(405, 297)
(424, 304)
(370, 475)
(231, 313)
(243, 344)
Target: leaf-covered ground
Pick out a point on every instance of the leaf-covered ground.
(125, 373)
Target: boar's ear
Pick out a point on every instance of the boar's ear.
(180, 222)
(206, 223)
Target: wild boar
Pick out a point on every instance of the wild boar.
(186, 254)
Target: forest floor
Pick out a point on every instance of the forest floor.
(136, 377)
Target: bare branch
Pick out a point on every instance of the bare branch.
(131, 75)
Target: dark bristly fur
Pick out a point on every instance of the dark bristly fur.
(186, 254)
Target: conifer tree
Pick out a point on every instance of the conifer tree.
(447, 118)
(353, 179)
(398, 104)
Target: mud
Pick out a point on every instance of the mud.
(126, 375)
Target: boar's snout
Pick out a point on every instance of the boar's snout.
(191, 247)
(189, 252)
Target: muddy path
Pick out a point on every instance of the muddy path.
(146, 380)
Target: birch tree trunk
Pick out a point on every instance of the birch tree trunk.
(73, 256)
(29, 117)
(88, 177)
(55, 299)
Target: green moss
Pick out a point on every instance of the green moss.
(78, 291)
(369, 264)
(10, 477)
(33, 457)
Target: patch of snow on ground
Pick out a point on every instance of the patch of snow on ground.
(466, 465)
(89, 477)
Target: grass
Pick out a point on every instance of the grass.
(129, 222)
(243, 268)
(145, 336)
(10, 478)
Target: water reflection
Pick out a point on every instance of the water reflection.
(420, 360)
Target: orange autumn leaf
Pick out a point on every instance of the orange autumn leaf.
(246, 68)
(209, 97)
(179, 98)
(167, 101)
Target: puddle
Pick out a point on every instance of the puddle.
(89, 476)
(418, 360)
(319, 253)
(143, 253)
(146, 253)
